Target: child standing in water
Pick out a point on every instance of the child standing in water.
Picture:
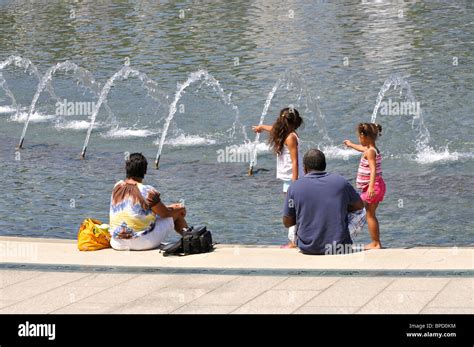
(369, 177)
(285, 143)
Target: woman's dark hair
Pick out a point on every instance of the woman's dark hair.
(288, 121)
(372, 130)
(136, 165)
(314, 159)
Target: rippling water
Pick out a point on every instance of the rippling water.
(344, 51)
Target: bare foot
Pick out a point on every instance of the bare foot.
(290, 244)
(373, 245)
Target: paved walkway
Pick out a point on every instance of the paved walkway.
(52, 276)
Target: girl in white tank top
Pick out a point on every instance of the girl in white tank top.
(285, 164)
(286, 144)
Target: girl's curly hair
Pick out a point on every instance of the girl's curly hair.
(288, 121)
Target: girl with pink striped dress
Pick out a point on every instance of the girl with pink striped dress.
(369, 176)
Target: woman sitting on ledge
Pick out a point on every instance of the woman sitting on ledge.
(138, 218)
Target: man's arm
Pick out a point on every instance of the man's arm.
(359, 205)
(355, 202)
(289, 221)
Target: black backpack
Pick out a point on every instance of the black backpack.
(194, 241)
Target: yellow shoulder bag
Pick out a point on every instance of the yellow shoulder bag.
(93, 235)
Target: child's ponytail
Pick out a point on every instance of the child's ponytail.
(379, 128)
(372, 130)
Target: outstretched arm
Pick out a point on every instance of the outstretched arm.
(263, 127)
(359, 148)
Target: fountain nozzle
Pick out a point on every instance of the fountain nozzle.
(157, 162)
(20, 145)
(250, 172)
(83, 153)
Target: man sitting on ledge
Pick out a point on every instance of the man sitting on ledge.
(318, 204)
(138, 218)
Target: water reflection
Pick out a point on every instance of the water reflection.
(345, 51)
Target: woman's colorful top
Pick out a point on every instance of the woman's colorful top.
(130, 209)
